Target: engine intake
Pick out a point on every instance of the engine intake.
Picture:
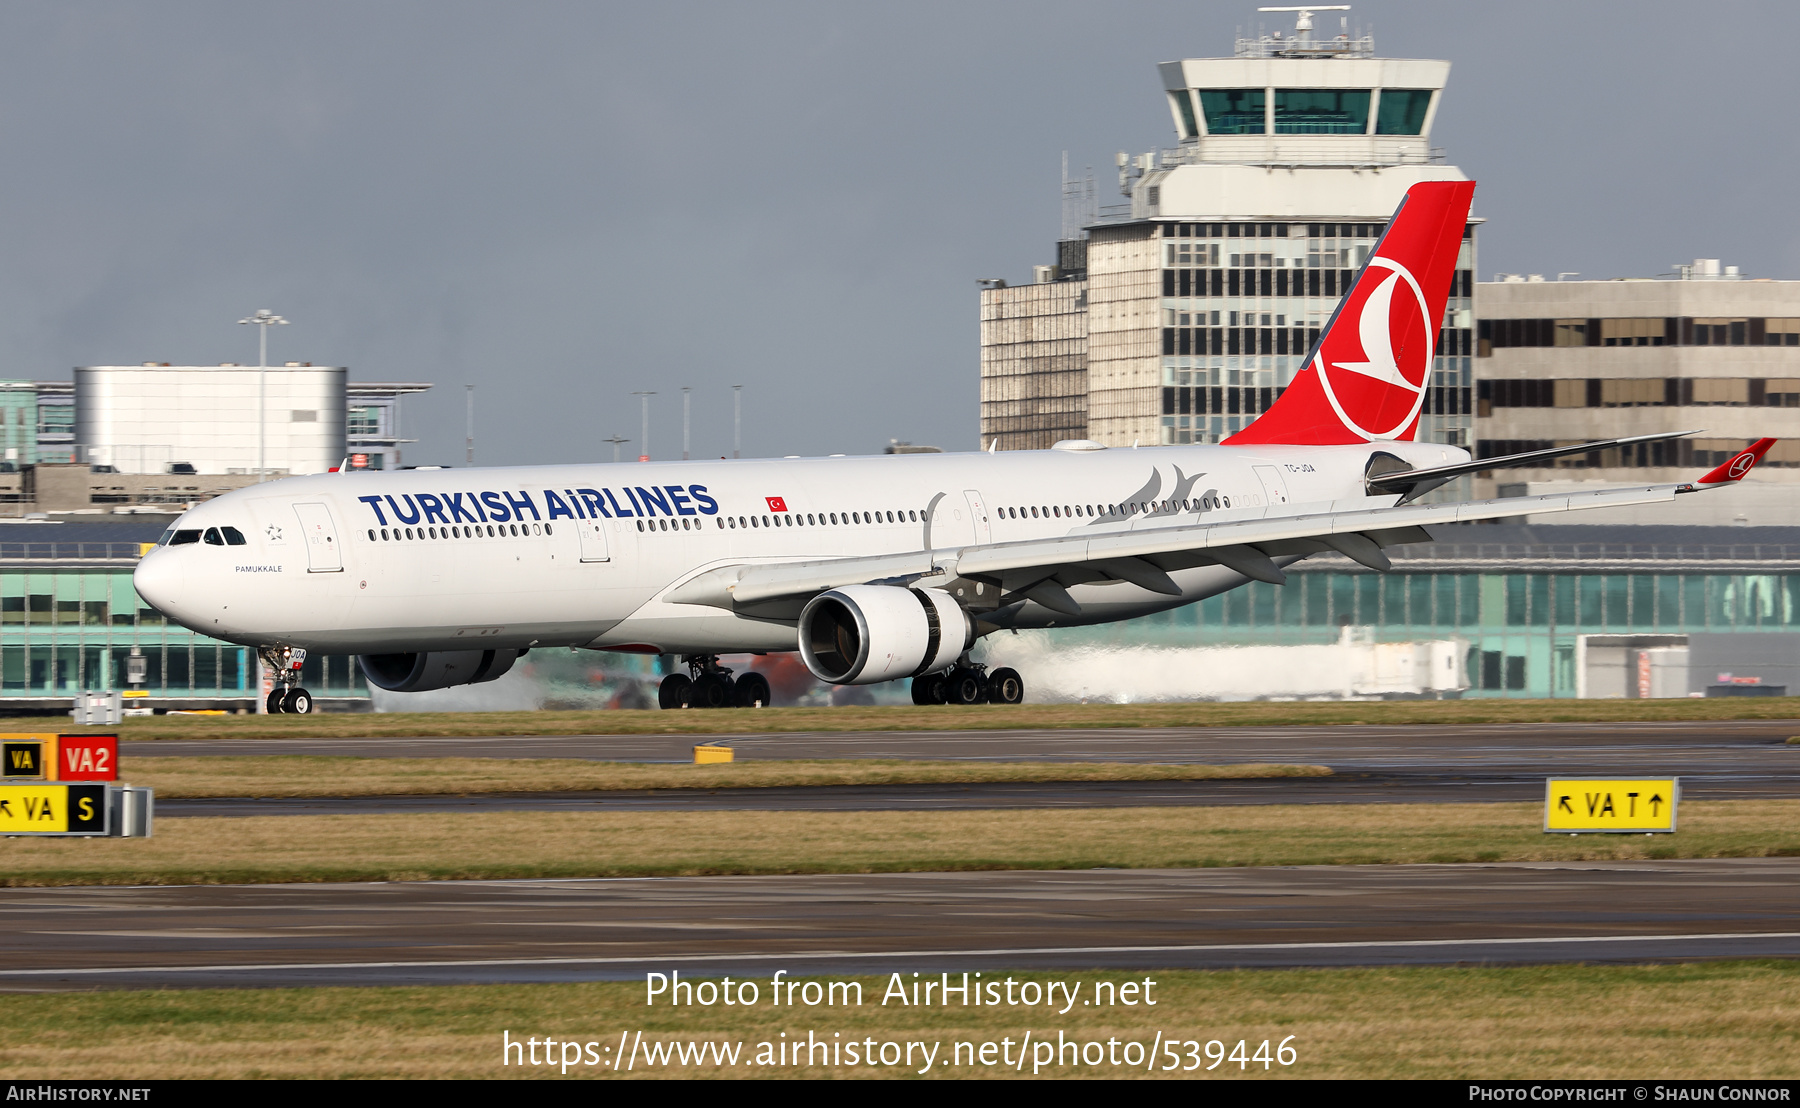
(438, 669)
(862, 634)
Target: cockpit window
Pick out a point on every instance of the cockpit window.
(233, 536)
(166, 536)
(180, 538)
(213, 538)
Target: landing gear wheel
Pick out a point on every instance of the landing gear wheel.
(714, 690)
(752, 691)
(928, 689)
(965, 686)
(297, 702)
(275, 702)
(676, 691)
(1005, 687)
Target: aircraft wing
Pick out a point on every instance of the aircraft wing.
(1042, 569)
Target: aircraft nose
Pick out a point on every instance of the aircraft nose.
(159, 580)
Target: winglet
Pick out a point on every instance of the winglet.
(1741, 463)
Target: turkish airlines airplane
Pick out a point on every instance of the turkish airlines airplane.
(873, 568)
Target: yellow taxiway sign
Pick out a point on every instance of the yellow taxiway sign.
(1574, 805)
(53, 810)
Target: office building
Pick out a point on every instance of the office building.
(1564, 362)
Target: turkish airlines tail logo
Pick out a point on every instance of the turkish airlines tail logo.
(1366, 379)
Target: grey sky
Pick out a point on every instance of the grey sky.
(561, 203)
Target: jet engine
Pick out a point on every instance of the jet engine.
(861, 634)
(439, 669)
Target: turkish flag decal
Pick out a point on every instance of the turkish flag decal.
(776, 503)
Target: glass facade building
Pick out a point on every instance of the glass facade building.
(1523, 602)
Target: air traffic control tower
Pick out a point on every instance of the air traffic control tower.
(1179, 316)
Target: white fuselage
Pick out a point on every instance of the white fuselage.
(371, 563)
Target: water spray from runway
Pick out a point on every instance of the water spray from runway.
(1355, 666)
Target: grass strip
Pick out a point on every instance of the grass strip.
(285, 775)
(482, 845)
(946, 718)
(1736, 1020)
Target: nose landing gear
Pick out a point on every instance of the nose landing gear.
(287, 698)
(707, 684)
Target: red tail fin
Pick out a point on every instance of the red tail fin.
(1366, 379)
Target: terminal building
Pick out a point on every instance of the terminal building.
(1180, 315)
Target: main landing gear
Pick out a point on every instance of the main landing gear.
(707, 684)
(969, 683)
(287, 698)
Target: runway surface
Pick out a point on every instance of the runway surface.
(547, 931)
(1473, 763)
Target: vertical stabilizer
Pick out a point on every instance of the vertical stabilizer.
(1365, 381)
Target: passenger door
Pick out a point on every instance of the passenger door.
(322, 553)
(593, 540)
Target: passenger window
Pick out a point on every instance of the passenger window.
(182, 538)
(213, 538)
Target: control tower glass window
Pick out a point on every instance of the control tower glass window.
(1185, 105)
(1402, 111)
(1321, 111)
(1232, 111)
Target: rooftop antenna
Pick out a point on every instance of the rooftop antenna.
(1303, 23)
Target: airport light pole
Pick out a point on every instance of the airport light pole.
(687, 395)
(616, 440)
(263, 319)
(469, 432)
(737, 421)
(644, 439)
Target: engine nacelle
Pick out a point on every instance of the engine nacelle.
(439, 669)
(861, 634)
